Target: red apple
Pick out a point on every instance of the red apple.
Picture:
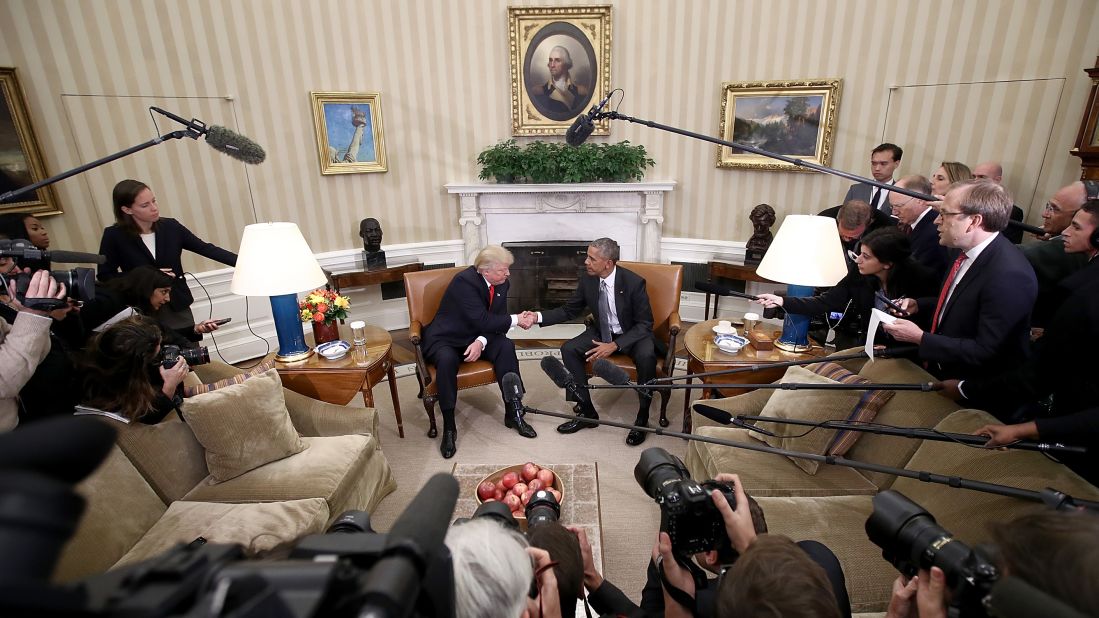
(546, 476)
(519, 488)
(530, 471)
(535, 485)
(509, 480)
(526, 497)
(556, 494)
(486, 490)
(499, 493)
(490, 500)
(520, 514)
(513, 501)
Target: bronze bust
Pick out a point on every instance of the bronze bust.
(371, 233)
(762, 218)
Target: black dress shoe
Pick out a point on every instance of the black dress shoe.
(635, 437)
(448, 446)
(578, 423)
(516, 422)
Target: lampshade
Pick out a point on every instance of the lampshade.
(806, 251)
(274, 259)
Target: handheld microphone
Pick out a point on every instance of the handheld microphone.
(616, 375)
(221, 139)
(584, 124)
(722, 417)
(722, 290)
(22, 249)
(512, 388)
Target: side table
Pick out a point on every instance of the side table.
(360, 278)
(703, 356)
(337, 381)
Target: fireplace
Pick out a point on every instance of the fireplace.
(545, 273)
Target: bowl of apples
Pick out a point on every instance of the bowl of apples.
(514, 486)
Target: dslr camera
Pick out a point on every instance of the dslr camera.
(687, 513)
(194, 356)
(79, 282)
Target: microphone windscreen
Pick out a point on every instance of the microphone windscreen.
(75, 256)
(610, 372)
(578, 133)
(556, 371)
(64, 448)
(235, 145)
(716, 415)
(425, 520)
(512, 386)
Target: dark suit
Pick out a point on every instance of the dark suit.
(125, 251)
(1015, 234)
(985, 327)
(878, 220)
(926, 249)
(635, 316)
(860, 191)
(464, 314)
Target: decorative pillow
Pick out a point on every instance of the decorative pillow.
(191, 391)
(243, 426)
(870, 403)
(806, 405)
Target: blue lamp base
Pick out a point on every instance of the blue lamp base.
(795, 329)
(292, 347)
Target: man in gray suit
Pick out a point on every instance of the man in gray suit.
(884, 161)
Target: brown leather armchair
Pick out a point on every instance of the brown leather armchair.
(664, 282)
(424, 291)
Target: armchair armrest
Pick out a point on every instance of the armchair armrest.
(316, 418)
(675, 324)
(415, 330)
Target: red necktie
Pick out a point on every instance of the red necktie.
(491, 293)
(946, 288)
(907, 229)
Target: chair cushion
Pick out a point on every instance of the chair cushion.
(470, 375)
(806, 405)
(765, 474)
(243, 426)
(870, 403)
(260, 528)
(347, 471)
(198, 389)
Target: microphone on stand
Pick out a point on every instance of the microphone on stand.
(584, 124)
(561, 377)
(512, 388)
(221, 139)
(616, 375)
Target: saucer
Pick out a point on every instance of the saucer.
(720, 331)
(334, 350)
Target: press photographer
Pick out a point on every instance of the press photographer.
(25, 340)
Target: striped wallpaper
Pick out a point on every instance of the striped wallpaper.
(970, 80)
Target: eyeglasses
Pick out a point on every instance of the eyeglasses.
(1051, 207)
(944, 214)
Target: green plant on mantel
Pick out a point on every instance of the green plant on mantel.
(556, 162)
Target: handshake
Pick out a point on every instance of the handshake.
(527, 319)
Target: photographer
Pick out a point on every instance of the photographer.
(24, 342)
(123, 372)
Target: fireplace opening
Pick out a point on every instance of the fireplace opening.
(545, 273)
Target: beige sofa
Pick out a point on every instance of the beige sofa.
(155, 491)
(833, 505)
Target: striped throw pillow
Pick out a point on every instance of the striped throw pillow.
(260, 369)
(870, 403)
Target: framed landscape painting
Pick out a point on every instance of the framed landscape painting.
(349, 132)
(21, 161)
(792, 118)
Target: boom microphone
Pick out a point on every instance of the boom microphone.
(584, 124)
(221, 139)
(23, 249)
(722, 290)
(617, 376)
(512, 388)
(561, 377)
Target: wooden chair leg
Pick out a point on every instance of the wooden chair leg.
(665, 396)
(429, 405)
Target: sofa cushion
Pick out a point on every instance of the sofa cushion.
(166, 454)
(870, 402)
(766, 474)
(243, 426)
(190, 390)
(807, 405)
(347, 471)
(260, 528)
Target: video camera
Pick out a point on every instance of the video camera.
(79, 282)
(687, 513)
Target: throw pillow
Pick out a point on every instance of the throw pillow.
(243, 426)
(191, 391)
(806, 405)
(870, 403)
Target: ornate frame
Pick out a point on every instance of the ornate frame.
(327, 153)
(532, 32)
(16, 132)
(828, 91)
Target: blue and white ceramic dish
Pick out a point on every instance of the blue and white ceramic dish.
(334, 350)
(730, 343)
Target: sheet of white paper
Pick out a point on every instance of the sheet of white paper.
(118, 317)
(877, 316)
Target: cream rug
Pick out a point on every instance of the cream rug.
(563, 332)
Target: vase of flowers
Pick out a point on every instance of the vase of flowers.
(322, 308)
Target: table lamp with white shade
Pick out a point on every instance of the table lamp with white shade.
(275, 261)
(806, 253)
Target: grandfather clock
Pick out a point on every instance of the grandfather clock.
(1087, 141)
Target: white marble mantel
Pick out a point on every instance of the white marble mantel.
(630, 212)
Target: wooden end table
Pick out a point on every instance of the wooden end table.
(337, 381)
(703, 356)
(727, 270)
(363, 278)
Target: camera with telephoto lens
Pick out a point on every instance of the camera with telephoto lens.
(911, 540)
(687, 513)
(542, 508)
(194, 356)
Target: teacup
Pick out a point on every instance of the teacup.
(724, 327)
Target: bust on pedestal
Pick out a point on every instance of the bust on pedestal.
(371, 233)
(762, 218)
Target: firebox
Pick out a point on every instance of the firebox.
(545, 273)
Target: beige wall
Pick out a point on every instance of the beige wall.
(90, 68)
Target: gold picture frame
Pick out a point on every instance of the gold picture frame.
(21, 161)
(349, 132)
(795, 118)
(536, 35)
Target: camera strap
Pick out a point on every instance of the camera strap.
(677, 594)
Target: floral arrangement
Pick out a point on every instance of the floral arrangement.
(324, 306)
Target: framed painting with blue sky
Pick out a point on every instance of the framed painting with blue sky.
(349, 132)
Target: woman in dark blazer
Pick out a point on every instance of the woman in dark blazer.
(884, 260)
(140, 236)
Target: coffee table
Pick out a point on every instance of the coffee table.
(704, 356)
(338, 381)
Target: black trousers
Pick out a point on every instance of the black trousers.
(642, 352)
(500, 352)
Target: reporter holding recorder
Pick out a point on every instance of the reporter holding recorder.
(24, 342)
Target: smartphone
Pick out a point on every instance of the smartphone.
(222, 321)
(892, 305)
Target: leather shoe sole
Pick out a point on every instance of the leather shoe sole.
(575, 425)
(448, 447)
(635, 437)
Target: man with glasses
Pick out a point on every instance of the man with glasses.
(916, 218)
(980, 322)
(1048, 257)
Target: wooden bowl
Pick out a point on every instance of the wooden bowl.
(517, 469)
